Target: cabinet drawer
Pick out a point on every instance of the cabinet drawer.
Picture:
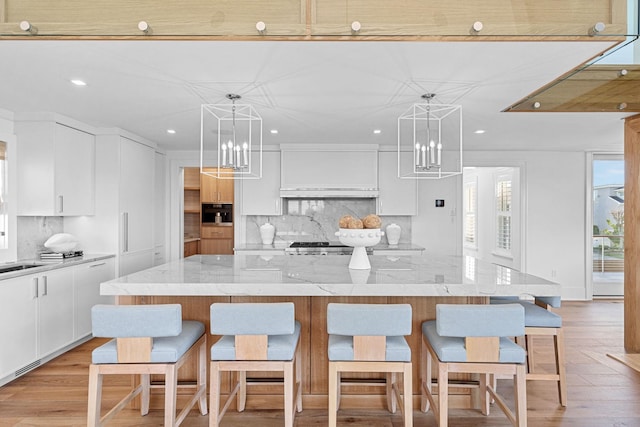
(216, 232)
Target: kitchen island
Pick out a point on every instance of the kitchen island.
(311, 282)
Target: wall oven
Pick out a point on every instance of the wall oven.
(217, 213)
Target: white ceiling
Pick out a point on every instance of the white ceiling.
(320, 92)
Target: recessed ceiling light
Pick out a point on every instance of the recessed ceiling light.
(171, 131)
(377, 131)
(274, 131)
(78, 82)
(479, 131)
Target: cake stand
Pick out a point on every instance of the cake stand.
(359, 239)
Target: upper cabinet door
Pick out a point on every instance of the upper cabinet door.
(56, 169)
(397, 196)
(137, 168)
(215, 190)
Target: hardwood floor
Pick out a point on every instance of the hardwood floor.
(602, 391)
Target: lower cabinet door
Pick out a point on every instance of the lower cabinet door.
(216, 246)
(86, 281)
(55, 310)
(18, 328)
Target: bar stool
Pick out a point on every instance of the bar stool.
(472, 338)
(369, 338)
(540, 321)
(148, 339)
(255, 337)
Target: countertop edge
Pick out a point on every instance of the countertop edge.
(48, 265)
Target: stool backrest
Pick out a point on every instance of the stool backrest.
(370, 325)
(481, 325)
(135, 326)
(252, 323)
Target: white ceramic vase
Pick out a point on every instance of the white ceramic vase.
(267, 233)
(393, 233)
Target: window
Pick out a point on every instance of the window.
(503, 213)
(470, 214)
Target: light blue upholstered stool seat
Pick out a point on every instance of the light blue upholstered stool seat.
(255, 337)
(148, 339)
(473, 339)
(370, 338)
(540, 321)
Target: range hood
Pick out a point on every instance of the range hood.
(329, 193)
(329, 171)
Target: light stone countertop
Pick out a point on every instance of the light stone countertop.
(281, 246)
(318, 275)
(50, 264)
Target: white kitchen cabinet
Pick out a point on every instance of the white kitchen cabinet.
(56, 169)
(262, 196)
(18, 323)
(124, 221)
(397, 196)
(86, 292)
(55, 310)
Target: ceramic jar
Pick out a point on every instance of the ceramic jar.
(267, 233)
(393, 233)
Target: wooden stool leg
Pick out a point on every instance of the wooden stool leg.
(334, 384)
(298, 358)
(214, 398)
(485, 398)
(558, 341)
(202, 378)
(443, 395)
(145, 385)
(391, 394)
(170, 394)
(289, 386)
(94, 397)
(520, 391)
(407, 395)
(531, 364)
(242, 391)
(425, 376)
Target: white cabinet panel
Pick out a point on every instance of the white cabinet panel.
(86, 283)
(397, 196)
(137, 165)
(262, 196)
(56, 169)
(325, 169)
(18, 327)
(55, 310)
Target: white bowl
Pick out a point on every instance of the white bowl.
(359, 236)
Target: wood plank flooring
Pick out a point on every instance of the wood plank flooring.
(602, 391)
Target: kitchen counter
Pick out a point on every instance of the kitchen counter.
(50, 264)
(277, 248)
(318, 275)
(311, 282)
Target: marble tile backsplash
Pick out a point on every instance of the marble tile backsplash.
(33, 231)
(317, 220)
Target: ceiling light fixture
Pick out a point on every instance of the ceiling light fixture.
(536, 105)
(171, 131)
(430, 140)
(231, 137)
(476, 27)
(261, 27)
(377, 131)
(274, 131)
(78, 82)
(479, 131)
(355, 27)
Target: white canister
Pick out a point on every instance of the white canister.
(393, 233)
(267, 233)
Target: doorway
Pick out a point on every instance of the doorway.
(607, 220)
(492, 222)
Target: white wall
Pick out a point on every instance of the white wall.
(7, 135)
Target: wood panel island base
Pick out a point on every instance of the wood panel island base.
(311, 282)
